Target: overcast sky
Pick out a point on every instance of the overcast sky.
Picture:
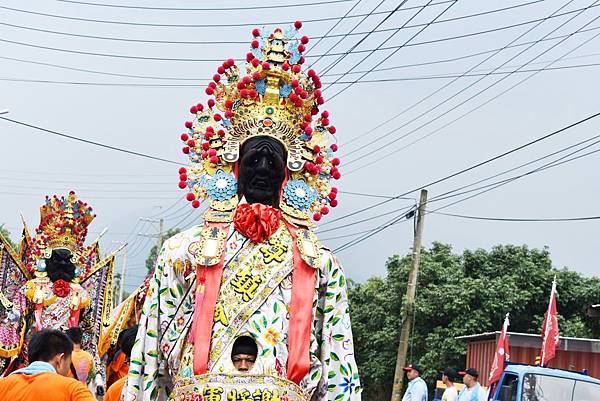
(149, 119)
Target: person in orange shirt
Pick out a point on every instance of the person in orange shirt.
(49, 354)
(119, 365)
(115, 390)
(83, 361)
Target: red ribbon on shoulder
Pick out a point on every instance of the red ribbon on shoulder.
(304, 279)
(208, 285)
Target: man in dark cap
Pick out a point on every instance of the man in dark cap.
(472, 390)
(417, 388)
(243, 353)
(448, 378)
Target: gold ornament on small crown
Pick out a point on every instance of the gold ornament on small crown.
(272, 98)
(63, 225)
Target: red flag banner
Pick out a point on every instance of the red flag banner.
(502, 354)
(550, 339)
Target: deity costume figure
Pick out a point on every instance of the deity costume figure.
(56, 282)
(260, 156)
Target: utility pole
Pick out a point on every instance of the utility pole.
(122, 278)
(409, 306)
(122, 286)
(160, 234)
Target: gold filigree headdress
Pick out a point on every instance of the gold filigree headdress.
(273, 98)
(63, 225)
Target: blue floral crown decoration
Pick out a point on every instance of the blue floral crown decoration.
(274, 98)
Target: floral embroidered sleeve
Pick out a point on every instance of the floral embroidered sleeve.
(148, 378)
(339, 379)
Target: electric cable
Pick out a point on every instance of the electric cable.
(484, 103)
(469, 168)
(495, 52)
(326, 34)
(449, 98)
(268, 7)
(384, 59)
(324, 71)
(516, 219)
(90, 142)
(180, 59)
(383, 80)
(444, 195)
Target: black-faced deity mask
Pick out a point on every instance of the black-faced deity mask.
(261, 170)
(59, 266)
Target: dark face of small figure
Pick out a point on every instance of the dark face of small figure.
(59, 265)
(243, 362)
(261, 170)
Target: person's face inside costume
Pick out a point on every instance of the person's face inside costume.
(243, 354)
(59, 266)
(62, 363)
(261, 170)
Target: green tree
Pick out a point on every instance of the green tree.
(6, 234)
(151, 259)
(459, 295)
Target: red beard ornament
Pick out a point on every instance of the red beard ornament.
(256, 221)
(61, 288)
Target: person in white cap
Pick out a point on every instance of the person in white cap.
(417, 388)
(472, 391)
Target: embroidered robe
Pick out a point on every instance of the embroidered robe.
(254, 299)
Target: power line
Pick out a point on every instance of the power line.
(231, 25)
(473, 109)
(331, 65)
(397, 220)
(175, 59)
(447, 195)
(198, 80)
(368, 219)
(392, 53)
(383, 80)
(102, 145)
(467, 100)
(489, 187)
(201, 42)
(326, 34)
(269, 7)
(514, 219)
(554, 163)
(446, 100)
(470, 168)
(495, 52)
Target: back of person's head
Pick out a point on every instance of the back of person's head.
(128, 339)
(75, 334)
(46, 344)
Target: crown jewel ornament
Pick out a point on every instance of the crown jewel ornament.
(271, 96)
(63, 225)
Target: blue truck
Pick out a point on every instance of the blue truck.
(521, 382)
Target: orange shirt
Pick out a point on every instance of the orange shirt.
(43, 386)
(114, 391)
(83, 362)
(117, 369)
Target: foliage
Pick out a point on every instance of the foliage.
(460, 295)
(6, 234)
(151, 259)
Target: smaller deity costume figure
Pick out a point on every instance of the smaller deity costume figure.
(57, 282)
(262, 158)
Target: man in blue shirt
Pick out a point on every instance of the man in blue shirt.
(417, 388)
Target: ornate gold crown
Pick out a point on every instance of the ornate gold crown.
(273, 98)
(63, 224)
